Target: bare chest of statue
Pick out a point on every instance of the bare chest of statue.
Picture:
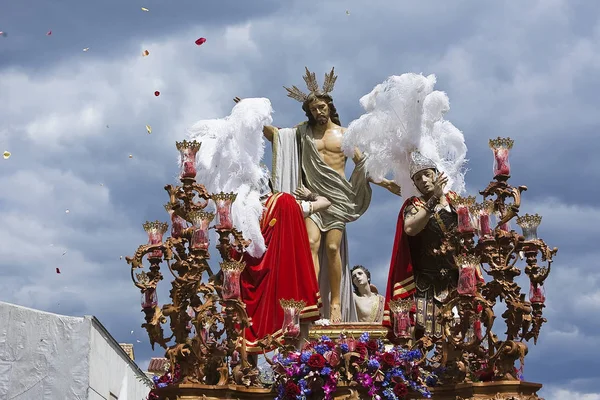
(329, 146)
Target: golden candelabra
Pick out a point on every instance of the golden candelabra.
(468, 349)
(206, 316)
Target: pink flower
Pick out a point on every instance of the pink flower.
(332, 357)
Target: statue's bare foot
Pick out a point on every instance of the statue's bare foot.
(335, 314)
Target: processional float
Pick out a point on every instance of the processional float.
(468, 360)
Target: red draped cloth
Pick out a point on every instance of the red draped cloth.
(285, 271)
(401, 282)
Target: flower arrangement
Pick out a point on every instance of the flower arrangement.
(166, 379)
(316, 371)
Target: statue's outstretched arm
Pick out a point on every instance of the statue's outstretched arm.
(269, 132)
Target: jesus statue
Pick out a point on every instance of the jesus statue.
(310, 156)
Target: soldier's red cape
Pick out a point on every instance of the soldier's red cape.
(401, 282)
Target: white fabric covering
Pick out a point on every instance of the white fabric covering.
(45, 356)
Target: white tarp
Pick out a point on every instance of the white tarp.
(43, 355)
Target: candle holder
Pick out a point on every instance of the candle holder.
(188, 152)
(467, 275)
(480, 212)
(200, 222)
(202, 357)
(178, 224)
(401, 317)
(231, 279)
(501, 148)
(223, 201)
(537, 293)
(462, 205)
(529, 225)
(149, 298)
(291, 317)
(155, 231)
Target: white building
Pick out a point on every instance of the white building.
(56, 357)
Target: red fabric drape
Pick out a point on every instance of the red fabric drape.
(285, 271)
(400, 277)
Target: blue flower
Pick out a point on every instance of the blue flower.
(364, 337)
(411, 355)
(344, 347)
(325, 339)
(373, 364)
(155, 379)
(389, 394)
(325, 371)
(305, 356)
(161, 385)
(321, 348)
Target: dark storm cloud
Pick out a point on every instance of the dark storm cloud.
(108, 26)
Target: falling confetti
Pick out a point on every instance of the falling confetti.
(157, 93)
(2, 33)
(48, 33)
(57, 270)
(145, 53)
(347, 12)
(131, 332)
(6, 155)
(64, 252)
(145, 9)
(200, 41)
(102, 184)
(120, 257)
(86, 49)
(131, 156)
(138, 341)
(107, 126)
(67, 211)
(148, 127)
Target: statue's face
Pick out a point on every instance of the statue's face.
(424, 180)
(320, 111)
(359, 278)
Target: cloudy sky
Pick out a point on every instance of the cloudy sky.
(72, 118)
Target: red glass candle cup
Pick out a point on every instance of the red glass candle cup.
(155, 231)
(484, 224)
(291, 317)
(501, 148)
(200, 222)
(178, 224)
(149, 298)
(467, 275)
(462, 205)
(223, 201)
(480, 213)
(231, 279)
(188, 152)
(537, 293)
